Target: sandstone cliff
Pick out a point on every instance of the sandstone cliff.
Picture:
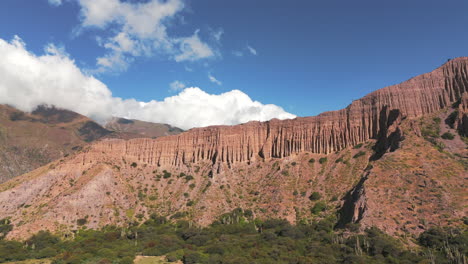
(326, 133)
(271, 167)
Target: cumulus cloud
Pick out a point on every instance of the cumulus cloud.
(251, 50)
(28, 80)
(141, 30)
(192, 49)
(177, 86)
(214, 80)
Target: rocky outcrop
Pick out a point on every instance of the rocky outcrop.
(354, 206)
(461, 121)
(390, 135)
(363, 119)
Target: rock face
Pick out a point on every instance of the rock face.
(271, 168)
(363, 119)
(461, 122)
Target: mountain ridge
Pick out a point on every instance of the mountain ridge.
(300, 170)
(328, 132)
(30, 140)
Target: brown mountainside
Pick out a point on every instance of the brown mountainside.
(145, 129)
(381, 161)
(364, 119)
(31, 140)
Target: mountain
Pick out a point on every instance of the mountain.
(145, 129)
(31, 140)
(393, 159)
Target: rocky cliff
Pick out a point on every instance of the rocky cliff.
(413, 178)
(461, 119)
(363, 119)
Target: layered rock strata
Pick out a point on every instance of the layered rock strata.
(325, 133)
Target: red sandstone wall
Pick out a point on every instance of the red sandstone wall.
(325, 133)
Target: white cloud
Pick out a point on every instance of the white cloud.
(251, 50)
(217, 35)
(214, 80)
(28, 80)
(238, 53)
(177, 86)
(193, 49)
(141, 30)
(55, 2)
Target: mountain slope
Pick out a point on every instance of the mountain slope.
(31, 140)
(28, 141)
(381, 161)
(362, 120)
(144, 129)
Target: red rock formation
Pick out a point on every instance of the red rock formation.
(325, 133)
(461, 122)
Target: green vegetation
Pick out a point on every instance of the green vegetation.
(312, 161)
(358, 146)
(431, 130)
(134, 165)
(319, 207)
(359, 154)
(188, 178)
(166, 174)
(315, 196)
(448, 135)
(237, 238)
(5, 227)
(323, 160)
(81, 221)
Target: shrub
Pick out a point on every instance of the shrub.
(358, 146)
(192, 257)
(315, 196)
(188, 178)
(311, 161)
(448, 135)
(5, 227)
(323, 160)
(179, 215)
(319, 206)
(133, 164)
(81, 221)
(166, 174)
(359, 154)
(16, 116)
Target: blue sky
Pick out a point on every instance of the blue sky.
(304, 56)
